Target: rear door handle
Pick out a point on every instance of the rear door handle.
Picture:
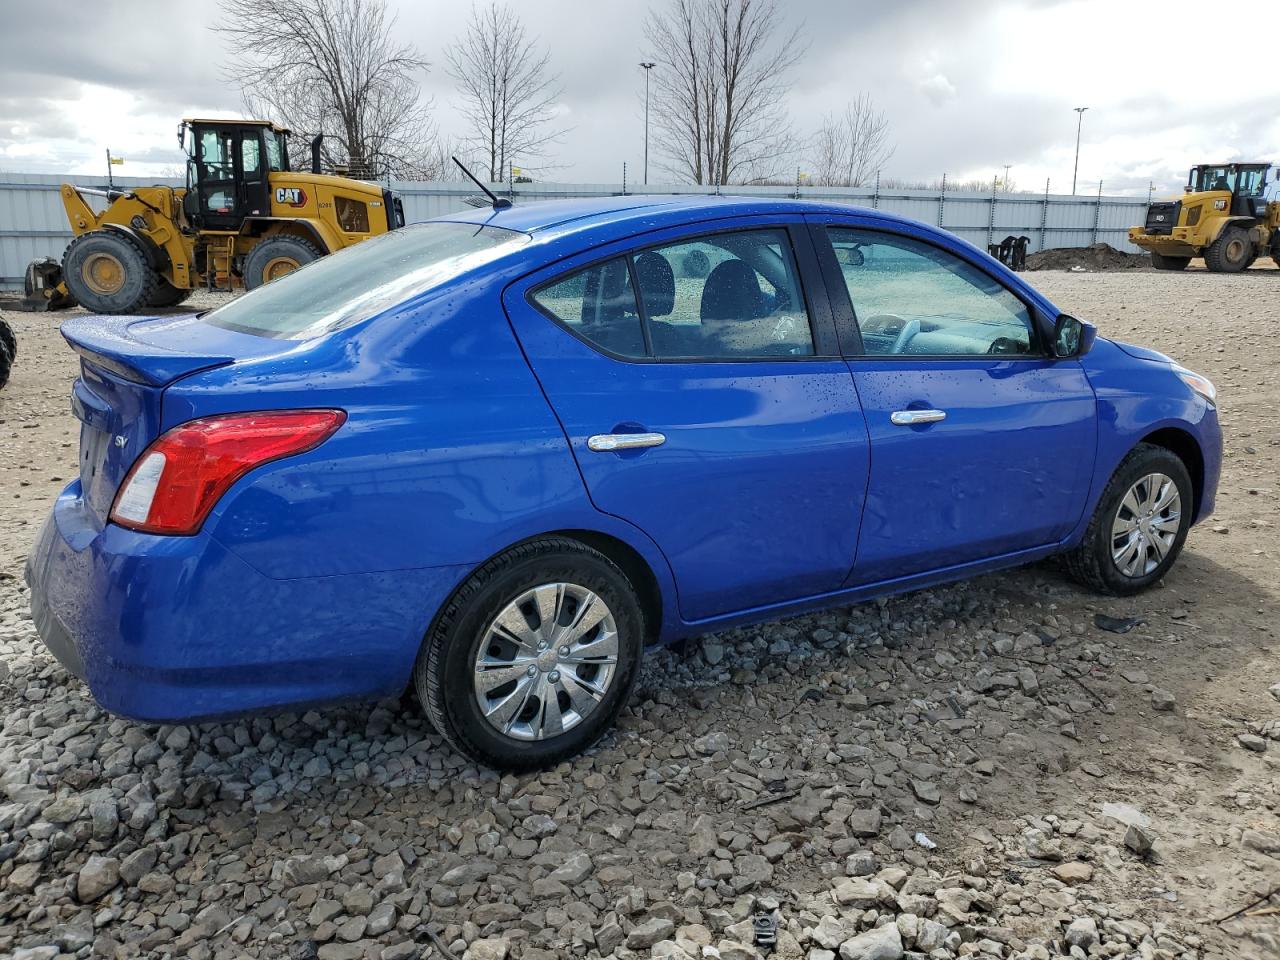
(606, 442)
(911, 418)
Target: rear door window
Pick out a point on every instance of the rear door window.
(728, 296)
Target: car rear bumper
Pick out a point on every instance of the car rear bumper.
(179, 628)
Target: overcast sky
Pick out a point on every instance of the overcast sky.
(968, 87)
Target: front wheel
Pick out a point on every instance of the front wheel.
(1139, 525)
(534, 657)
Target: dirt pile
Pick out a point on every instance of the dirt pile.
(1092, 259)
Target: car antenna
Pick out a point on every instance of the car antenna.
(499, 203)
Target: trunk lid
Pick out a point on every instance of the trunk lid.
(125, 365)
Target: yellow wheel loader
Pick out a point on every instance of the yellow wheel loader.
(1222, 216)
(243, 219)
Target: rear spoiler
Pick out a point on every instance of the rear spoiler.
(106, 342)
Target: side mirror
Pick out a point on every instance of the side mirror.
(1072, 337)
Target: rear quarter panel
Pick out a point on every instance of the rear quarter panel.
(449, 454)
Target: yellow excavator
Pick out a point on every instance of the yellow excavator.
(1222, 216)
(243, 219)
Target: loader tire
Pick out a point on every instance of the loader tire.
(167, 295)
(1230, 253)
(9, 340)
(107, 272)
(276, 257)
(6, 354)
(1162, 262)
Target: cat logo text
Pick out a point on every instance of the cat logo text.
(293, 196)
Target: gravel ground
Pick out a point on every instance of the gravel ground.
(974, 770)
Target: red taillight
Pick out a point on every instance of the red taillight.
(171, 488)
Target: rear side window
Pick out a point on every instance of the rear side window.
(720, 297)
(598, 304)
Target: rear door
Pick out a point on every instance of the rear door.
(704, 399)
(982, 444)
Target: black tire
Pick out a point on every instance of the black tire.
(1231, 252)
(445, 671)
(167, 295)
(1091, 562)
(6, 359)
(127, 283)
(9, 339)
(264, 259)
(1162, 262)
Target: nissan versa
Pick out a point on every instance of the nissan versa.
(496, 455)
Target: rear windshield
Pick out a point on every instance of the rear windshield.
(354, 284)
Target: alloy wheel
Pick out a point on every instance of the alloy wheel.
(1146, 525)
(546, 661)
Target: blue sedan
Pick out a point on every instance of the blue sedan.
(497, 455)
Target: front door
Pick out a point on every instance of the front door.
(704, 399)
(982, 445)
(231, 176)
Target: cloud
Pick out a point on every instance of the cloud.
(937, 89)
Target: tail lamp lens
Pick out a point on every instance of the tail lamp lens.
(175, 483)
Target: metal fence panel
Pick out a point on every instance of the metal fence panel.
(33, 221)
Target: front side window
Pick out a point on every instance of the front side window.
(913, 299)
(1250, 183)
(720, 297)
(351, 285)
(275, 151)
(250, 156)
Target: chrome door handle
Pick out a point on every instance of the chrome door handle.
(910, 418)
(606, 442)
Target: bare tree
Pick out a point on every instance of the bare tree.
(333, 67)
(719, 88)
(508, 90)
(850, 148)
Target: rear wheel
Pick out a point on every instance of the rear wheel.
(1139, 526)
(534, 657)
(1162, 262)
(1231, 252)
(107, 272)
(167, 295)
(275, 257)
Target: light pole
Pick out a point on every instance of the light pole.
(1079, 120)
(648, 65)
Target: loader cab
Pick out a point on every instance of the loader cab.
(1244, 181)
(229, 163)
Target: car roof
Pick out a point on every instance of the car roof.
(652, 210)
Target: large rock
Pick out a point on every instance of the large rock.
(1082, 932)
(882, 943)
(494, 948)
(98, 876)
(644, 935)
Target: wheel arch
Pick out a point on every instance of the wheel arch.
(654, 588)
(263, 228)
(637, 569)
(1186, 448)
